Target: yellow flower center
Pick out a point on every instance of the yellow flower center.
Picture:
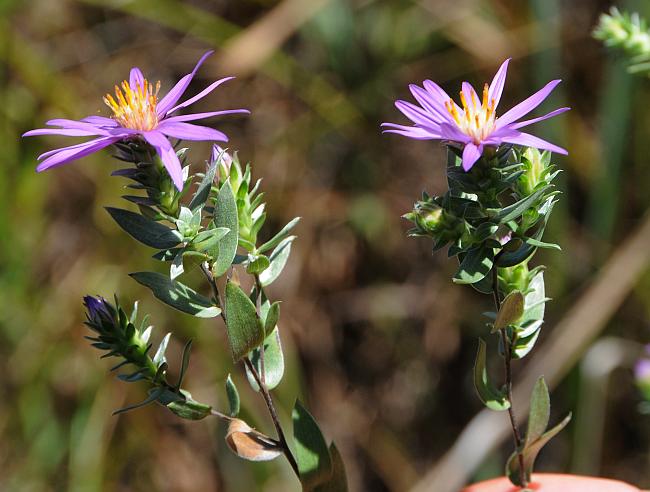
(135, 107)
(474, 120)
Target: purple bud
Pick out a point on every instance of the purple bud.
(225, 156)
(98, 308)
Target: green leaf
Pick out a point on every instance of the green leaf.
(225, 215)
(512, 309)
(475, 265)
(311, 451)
(203, 191)
(513, 211)
(527, 329)
(339, 480)
(244, 328)
(257, 264)
(272, 317)
(189, 409)
(530, 454)
(273, 362)
(489, 395)
(207, 241)
(145, 230)
(153, 396)
(192, 259)
(278, 260)
(233, 397)
(541, 244)
(159, 358)
(185, 361)
(177, 295)
(540, 411)
(279, 237)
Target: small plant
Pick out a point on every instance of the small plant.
(492, 218)
(213, 229)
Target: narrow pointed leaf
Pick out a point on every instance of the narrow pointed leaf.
(489, 395)
(225, 215)
(279, 237)
(177, 295)
(145, 230)
(233, 397)
(339, 480)
(278, 260)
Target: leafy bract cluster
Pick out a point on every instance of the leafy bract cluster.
(214, 229)
(628, 33)
(493, 219)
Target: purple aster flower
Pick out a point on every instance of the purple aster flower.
(476, 124)
(642, 371)
(137, 112)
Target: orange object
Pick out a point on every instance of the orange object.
(550, 482)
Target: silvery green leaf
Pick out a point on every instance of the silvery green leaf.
(279, 237)
(159, 358)
(176, 268)
(207, 241)
(273, 362)
(242, 324)
(145, 230)
(311, 451)
(177, 295)
(189, 408)
(226, 215)
(257, 264)
(146, 334)
(203, 191)
(233, 397)
(513, 211)
(278, 260)
(271, 317)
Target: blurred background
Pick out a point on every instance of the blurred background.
(379, 342)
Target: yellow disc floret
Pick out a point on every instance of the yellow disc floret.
(135, 107)
(474, 121)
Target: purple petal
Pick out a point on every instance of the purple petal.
(527, 105)
(430, 103)
(417, 115)
(199, 116)
(201, 94)
(68, 132)
(168, 156)
(471, 154)
(100, 120)
(187, 131)
(499, 80)
(78, 125)
(436, 92)
(67, 154)
(136, 78)
(452, 132)
(521, 124)
(414, 132)
(528, 140)
(177, 91)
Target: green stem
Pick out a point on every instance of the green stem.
(507, 349)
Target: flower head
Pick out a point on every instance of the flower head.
(475, 124)
(138, 113)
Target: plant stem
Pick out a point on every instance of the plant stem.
(258, 287)
(251, 367)
(274, 416)
(507, 356)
